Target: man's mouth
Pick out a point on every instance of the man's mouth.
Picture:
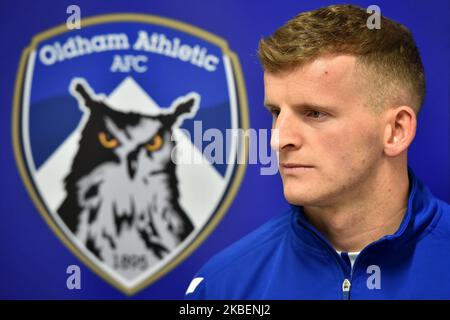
(290, 167)
(295, 165)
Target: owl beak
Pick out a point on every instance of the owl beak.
(132, 164)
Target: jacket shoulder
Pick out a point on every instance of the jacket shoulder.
(259, 240)
(238, 262)
(441, 227)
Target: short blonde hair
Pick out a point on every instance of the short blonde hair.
(388, 56)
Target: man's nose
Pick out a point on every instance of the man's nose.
(285, 132)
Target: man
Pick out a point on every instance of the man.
(344, 100)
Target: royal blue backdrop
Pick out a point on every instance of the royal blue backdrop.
(33, 260)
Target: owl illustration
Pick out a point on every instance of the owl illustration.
(122, 200)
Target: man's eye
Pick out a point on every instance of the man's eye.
(315, 114)
(274, 112)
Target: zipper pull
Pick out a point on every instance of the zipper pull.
(346, 289)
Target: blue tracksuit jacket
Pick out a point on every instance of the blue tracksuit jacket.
(287, 258)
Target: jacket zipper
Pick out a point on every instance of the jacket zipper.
(346, 285)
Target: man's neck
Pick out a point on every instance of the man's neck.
(371, 212)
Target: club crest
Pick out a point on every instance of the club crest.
(108, 133)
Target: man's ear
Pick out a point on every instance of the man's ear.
(400, 130)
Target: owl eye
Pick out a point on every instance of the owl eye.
(154, 144)
(107, 141)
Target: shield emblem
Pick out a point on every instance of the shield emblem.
(111, 129)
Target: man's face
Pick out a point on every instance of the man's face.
(330, 142)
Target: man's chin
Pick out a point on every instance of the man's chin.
(299, 198)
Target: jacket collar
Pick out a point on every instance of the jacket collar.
(421, 216)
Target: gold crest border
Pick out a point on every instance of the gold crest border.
(241, 163)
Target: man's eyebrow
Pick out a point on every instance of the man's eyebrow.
(314, 106)
(304, 105)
